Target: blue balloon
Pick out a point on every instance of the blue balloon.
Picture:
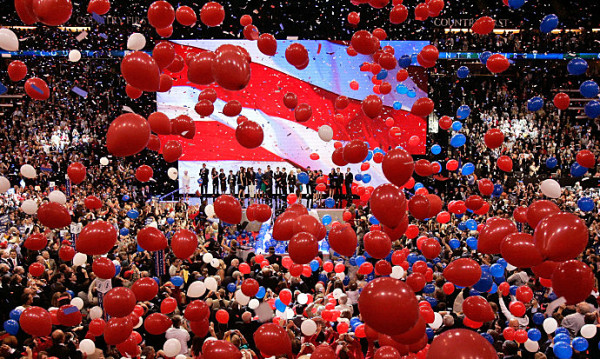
(382, 74)
(432, 301)
(11, 327)
(462, 226)
(231, 287)
(589, 89)
(125, 198)
(472, 243)
(404, 61)
(123, 231)
(436, 149)
(457, 126)
(411, 93)
(458, 140)
(378, 150)
(535, 103)
(71, 293)
(429, 288)
(562, 350)
(494, 288)
(463, 112)
(170, 220)
(562, 338)
(592, 109)
(418, 186)
(502, 262)
(577, 66)
(485, 283)
(178, 281)
(261, 292)
(538, 318)
(515, 4)
(585, 204)
(513, 290)
(369, 156)
(580, 344)
(578, 170)
(467, 169)
(488, 337)
(117, 270)
(360, 260)
(563, 330)
(314, 265)
(534, 334)
(15, 314)
(454, 243)
(472, 225)
(411, 258)
(373, 220)
(133, 214)
(366, 178)
(329, 202)
(430, 333)
(358, 177)
(402, 90)
(551, 162)
(497, 270)
(485, 268)
(462, 72)
(279, 305)
(498, 189)
(303, 177)
(326, 220)
(484, 56)
(549, 23)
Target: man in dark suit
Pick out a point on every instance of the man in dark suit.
(223, 180)
(277, 179)
(337, 190)
(348, 179)
(13, 260)
(283, 183)
(204, 178)
(267, 179)
(232, 181)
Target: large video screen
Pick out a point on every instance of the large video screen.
(287, 143)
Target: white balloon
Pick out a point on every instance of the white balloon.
(29, 206)
(209, 210)
(87, 346)
(211, 284)
(139, 323)
(550, 188)
(74, 55)
(302, 298)
(337, 293)
(550, 325)
(326, 133)
(437, 321)
(8, 40)
(397, 272)
(308, 327)
(4, 184)
(588, 331)
(172, 347)
(510, 267)
(58, 197)
(78, 302)
(180, 356)
(95, 312)
(289, 314)
(241, 297)
(104, 161)
(28, 171)
(215, 263)
(341, 275)
(136, 41)
(207, 257)
(79, 259)
(196, 289)
(532, 346)
(172, 173)
(253, 303)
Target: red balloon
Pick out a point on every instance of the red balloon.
(132, 92)
(443, 217)
(272, 340)
(36, 269)
(303, 112)
(398, 14)
(52, 12)
(478, 309)
(184, 243)
(53, 215)
(200, 68)
(389, 306)
(474, 202)
(127, 135)
(36, 321)
(342, 239)
(222, 316)
(163, 53)
(231, 70)
(119, 302)
(220, 349)
(117, 330)
(96, 326)
(497, 63)
(161, 14)
(290, 100)
(355, 151)
(172, 151)
(484, 25)
(486, 187)
(17, 70)
(491, 237)
(418, 206)
(397, 166)
(562, 101)
(422, 107)
(383, 267)
(283, 228)
(36, 242)
(307, 223)
(493, 138)
(198, 310)
(144, 173)
(267, 44)
(354, 18)
(387, 61)
(505, 163)
(324, 351)
(145, 289)
(66, 253)
(519, 250)
(416, 281)
(212, 14)
(573, 280)
(141, 71)
(186, 16)
(461, 343)
(159, 123)
(303, 247)
(204, 108)
(586, 159)
(153, 143)
(151, 239)
(448, 288)
(37, 88)
(364, 42)
(372, 106)
(524, 294)
(423, 168)
(25, 11)
(296, 54)
(249, 134)
(517, 309)
(338, 157)
(377, 244)
(431, 248)
(228, 209)
(520, 214)
(262, 213)
(463, 272)
(561, 236)
(168, 305)
(103, 268)
(165, 83)
(69, 315)
(165, 32)
(414, 334)
(539, 210)
(177, 65)
(388, 204)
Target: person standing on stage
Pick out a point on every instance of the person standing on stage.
(260, 186)
(283, 183)
(241, 182)
(291, 181)
(339, 182)
(231, 180)
(204, 180)
(215, 182)
(267, 179)
(348, 179)
(277, 179)
(250, 176)
(223, 180)
(332, 183)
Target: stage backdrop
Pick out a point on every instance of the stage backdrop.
(288, 143)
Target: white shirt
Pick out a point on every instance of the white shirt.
(180, 334)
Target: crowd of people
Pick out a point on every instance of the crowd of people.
(315, 304)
